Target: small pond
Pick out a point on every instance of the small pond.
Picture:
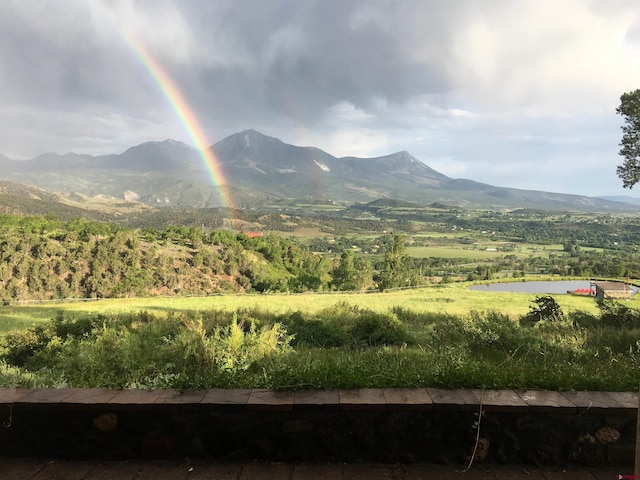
(539, 287)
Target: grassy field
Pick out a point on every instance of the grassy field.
(480, 252)
(454, 299)
(466, 251)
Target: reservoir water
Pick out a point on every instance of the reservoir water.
(539, 287)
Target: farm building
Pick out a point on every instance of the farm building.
(612, 290)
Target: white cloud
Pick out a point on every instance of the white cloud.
(161, 29)
(344, 142)
(559, 57)
(27, 132)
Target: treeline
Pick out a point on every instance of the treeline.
(45, 258)
(580, 263)
(588, 231)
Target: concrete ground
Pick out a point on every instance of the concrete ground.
(38, 469)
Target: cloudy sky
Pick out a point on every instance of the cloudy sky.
(515, 93)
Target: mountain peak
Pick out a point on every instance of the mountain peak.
(256, 135)
(247, 139)
(250, 131)
(153, 155)
(169, 142)
(160, 145)
(404, 156)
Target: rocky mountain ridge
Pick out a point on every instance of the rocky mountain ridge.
(257, 168)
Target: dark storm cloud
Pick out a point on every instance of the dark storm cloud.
(56, 55)
(277, 58)
(301, 58)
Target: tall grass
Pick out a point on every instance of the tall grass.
(342, 346)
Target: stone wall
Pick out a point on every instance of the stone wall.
(272, 428)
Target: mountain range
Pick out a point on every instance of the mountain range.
(258, 170)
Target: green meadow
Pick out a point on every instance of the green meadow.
(454, 299)
(482, 251)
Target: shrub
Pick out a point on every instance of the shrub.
(14, 377)
(227, 351)
(609, 341)
(545, 308)
(372, 328)
(617, 315)
(235, 349)
(582, 319)
(313, 333)
(406, 315)
(78, 327)
(17, 346)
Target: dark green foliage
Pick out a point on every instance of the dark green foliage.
(482, 350)
(411, 317)
(629, 108)
(365, 327)
(397, 267)
(373, 328)
(46, 259)
(545, 308)
(581, 319)
(352, 273)
(613, 343)
(313, 333)
(18, 346)
(304, 270)
(78, 327)
(346, 326)
(615, 314)
(140, 350)
(344, 273)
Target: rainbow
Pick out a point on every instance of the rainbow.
(184, 112)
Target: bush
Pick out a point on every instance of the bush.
(614, 314)
(372, 328)
(220, 357)
(313, 333)
(609, 342)
(582, 319)
(138, 350)
(18, 346)
(16, 377)
(411, 317)
(345, 325)
(545, 308)
(79, 327)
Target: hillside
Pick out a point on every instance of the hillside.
(43, 258)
